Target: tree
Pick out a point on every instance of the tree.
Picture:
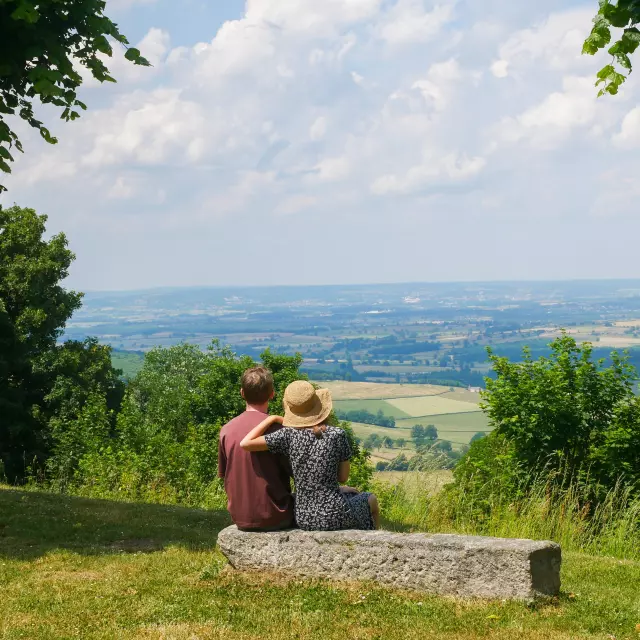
(443, 445)
(41, 45)
(625, 15)
(478, 436)
(417, 434)
(372, 442)
(565, 413)
(387, 442)
(33, 310)
(430, 432)
(85, 393)
(401, 443)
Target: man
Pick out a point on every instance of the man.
(257, 484)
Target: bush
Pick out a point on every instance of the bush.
(165, 442)
(564, 414)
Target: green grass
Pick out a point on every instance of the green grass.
(451, 422)
(363, 430)
(371, 405)
(128, 361)
(77, 568)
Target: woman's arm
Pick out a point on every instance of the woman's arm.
(254, 440)
(343, 471)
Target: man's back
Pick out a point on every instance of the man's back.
(257, 484)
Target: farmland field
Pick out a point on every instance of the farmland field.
(431, 406)
(455, 414)
(373, 406)
(363, 430)
(341, 390)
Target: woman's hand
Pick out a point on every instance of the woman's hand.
(348, 490)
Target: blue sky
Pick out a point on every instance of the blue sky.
(297, 141)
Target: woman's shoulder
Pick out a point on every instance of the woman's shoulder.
(335, 432)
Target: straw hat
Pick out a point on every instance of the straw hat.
(305, 406)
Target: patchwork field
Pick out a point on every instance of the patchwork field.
(431, 406)
(372, 406)
(455, 414)
(341, 390)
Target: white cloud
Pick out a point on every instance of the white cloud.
(435, 170)
(437, 87)
(557, 41)
(548, 123)
(500, 68)
(408, 22)
(318, 129)
(629, 134)
(332, 169)
(149, 128)
(123, 188)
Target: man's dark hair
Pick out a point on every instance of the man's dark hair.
(257, 385)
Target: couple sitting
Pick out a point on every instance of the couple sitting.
(259, 454)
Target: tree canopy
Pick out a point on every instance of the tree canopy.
(565, 416)
(43, 44)
(41, 382)
(625, 15)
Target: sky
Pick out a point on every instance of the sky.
(343, 141)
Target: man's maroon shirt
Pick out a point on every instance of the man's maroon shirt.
(257, 484)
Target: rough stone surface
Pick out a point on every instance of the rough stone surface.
(463, 566)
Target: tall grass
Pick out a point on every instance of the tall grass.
(610, 528)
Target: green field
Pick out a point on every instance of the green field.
(372, 406)
(457, 428)
(455, 414)
(476, 421)
(363, 430)
(129, 362)
(99, 570)
(431, 406)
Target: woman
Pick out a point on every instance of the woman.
(319, 456)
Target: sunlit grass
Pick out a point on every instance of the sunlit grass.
(79, 568)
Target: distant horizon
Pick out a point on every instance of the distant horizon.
(360, 284)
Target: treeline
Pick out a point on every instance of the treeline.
(366, 417)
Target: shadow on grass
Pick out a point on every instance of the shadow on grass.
(33, 523)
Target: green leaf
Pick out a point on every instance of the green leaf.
(26, 12)
(4, 166)
(102, 45)
(605, 72)
(132, 54)
(46, 134)
(4, 153)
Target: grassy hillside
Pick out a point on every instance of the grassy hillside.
(77, 568)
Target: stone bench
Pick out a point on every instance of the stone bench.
(463, 566)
